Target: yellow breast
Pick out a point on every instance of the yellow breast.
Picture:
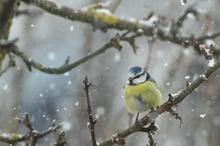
(141, 97)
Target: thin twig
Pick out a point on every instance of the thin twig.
(65, 67)
(91, 124)
(114, 42)
(151, 140)
(61, 141)
(149, 54)
(34, 135)
(208, 37)
(183, 17)
(112, 5)
(30, 13)
(11, 63)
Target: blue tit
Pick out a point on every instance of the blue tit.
(141, 92)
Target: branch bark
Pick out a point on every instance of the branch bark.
(7, 10)
(91, 124)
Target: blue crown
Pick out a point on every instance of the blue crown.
(135, 70)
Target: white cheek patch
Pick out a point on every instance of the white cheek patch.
(139, 80)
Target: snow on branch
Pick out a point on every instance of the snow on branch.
(100, 17)
(32, 137)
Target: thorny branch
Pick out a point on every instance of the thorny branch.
(176, 99)
(91, 124)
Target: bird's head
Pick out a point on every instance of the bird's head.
(137, 75)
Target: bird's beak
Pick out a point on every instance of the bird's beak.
(130, 80)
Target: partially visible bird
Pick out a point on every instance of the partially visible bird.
(141, 92)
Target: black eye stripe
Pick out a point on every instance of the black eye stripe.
(139, 75)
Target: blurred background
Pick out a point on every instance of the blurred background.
(49, 39)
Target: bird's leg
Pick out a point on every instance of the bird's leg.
(131, 116)
(152, 109)
(136, 120)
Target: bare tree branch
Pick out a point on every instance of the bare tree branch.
(12, 138)
(109, 20)
(61, 141)
(104, 20)
(208, 37)
(91, 124)
(7, 10)
(66, 66)
(140, 27)
(11, 63)
(114, 42)
(150, 117)
(35, 135)
(32, 137)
